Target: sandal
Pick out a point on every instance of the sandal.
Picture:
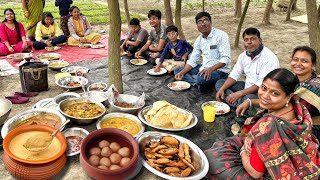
(29, 94)
(17, 99)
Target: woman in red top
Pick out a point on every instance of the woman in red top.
(280, 145)
(12, 35)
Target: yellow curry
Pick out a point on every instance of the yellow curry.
(16, 147)
(83, 110)
(125, 124)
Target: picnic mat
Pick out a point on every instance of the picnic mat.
(302, 18)
(73, 54)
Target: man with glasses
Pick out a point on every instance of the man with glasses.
(156, 40)
(256, 62)
(213, 44)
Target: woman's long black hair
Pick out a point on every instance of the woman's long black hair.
(16, 25)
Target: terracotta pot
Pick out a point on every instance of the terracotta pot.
(111, 135)
(28, 169)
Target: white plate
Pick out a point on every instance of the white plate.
(97, 46)
(20, 56)
(179, 85)
(49, 56)
(200, 161)
(46, 103)
(162, 71)
(221, 107)
(138, 62)
(144, 111)
(53, 48)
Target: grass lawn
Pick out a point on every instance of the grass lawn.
(97, 13)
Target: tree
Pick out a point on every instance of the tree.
(236, 41)
(177, 19)
(267, 12)
(313, 27)
(126, 9)
(238, 8)
(203, 5)
(168, 13)
(289, 10)
(114, 66)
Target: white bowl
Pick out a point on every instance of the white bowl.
(127, 99)
(63, 82)
(5, 109)
(200, 161)
(12, 122)
(60, 97)
(124, 115)
(74, 69)
(97, 87)
(74, 132)
(97, 96)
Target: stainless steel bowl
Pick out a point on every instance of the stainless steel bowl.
(63, 82)
(15, 120)
(60, 97)
(5, 109)
(127, 99)
(74, 69)
(144, 111)
(124, 115)
(199, 159)
(97, 96)
(80, 121)
(97, 87)
(71, 133)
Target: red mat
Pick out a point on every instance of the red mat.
(74, 54)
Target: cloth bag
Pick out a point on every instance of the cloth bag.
(33, 76)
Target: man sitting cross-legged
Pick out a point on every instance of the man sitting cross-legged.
(256, 62)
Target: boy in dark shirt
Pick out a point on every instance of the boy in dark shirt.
(137, 37)
(64, 6)
(180, 49)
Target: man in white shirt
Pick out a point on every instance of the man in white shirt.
(213, 44)
(256, 62)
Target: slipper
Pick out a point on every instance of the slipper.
(29, 94)
(17, 99)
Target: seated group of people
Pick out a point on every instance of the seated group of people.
(278, 142)
(47, 33)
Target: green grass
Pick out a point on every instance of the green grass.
(96, 13)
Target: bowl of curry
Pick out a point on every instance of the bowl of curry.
(82, 111)
(124, 121)
(126, 103)
(38, 116)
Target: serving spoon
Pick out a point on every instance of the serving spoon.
(39, 143)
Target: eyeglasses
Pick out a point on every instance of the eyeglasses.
(171, 33)
(205, 21)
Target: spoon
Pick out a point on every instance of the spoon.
(39, 143)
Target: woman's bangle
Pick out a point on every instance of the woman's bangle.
(250, 101)
(242, 151)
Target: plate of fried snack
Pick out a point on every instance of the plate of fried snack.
(172, 157)
(165, 116)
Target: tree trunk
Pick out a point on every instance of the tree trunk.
(313, 28)
(267, 12)
(126, 9)
(243, 15)
(238, 8)
(114, 65)
(177, 19)
(168, 13)
(202, 5)
(289, 10)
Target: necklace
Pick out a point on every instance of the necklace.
(285, 112)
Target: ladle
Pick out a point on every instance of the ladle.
(38, 143)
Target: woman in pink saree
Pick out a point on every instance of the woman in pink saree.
(12, 35)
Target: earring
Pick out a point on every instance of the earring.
(287, 104)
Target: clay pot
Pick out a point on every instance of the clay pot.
(28, 169)
(111, 135)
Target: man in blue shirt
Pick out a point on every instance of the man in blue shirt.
(214, 47)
